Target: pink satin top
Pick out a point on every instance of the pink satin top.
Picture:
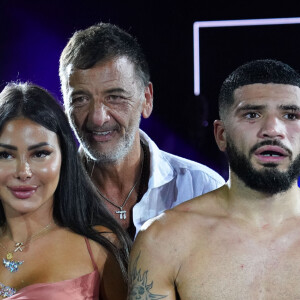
(85, 287)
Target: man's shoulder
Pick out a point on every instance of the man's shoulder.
(198, 212)
(182, 164)
(159, 235)
(168, 241)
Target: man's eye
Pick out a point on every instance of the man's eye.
(114, 98)
(251, 115)
(291, 116)
(5, 155)
(80, 100)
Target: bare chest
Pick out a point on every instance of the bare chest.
(233, 267)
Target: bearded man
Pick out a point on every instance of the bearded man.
(241, 241)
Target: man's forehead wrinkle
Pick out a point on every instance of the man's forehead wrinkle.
(98, 89)
(104, 76)
(87, 79)
(109, 77)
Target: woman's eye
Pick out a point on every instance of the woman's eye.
(5, 155)
(42, 153)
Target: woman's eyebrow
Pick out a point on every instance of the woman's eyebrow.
(38, 145)
(10, 147)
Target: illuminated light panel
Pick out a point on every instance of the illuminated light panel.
(228, 23)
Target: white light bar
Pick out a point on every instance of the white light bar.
(227, 23)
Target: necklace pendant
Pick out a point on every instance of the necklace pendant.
(122, 214)
(9, 255)
(6, 291)
(19, 247)
(12, 265)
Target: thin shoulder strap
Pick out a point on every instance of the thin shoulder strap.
(91, 253)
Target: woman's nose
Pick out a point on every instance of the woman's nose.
(23, 170)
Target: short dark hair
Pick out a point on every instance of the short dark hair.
(76, 203)
(102, 42)
(257, 71)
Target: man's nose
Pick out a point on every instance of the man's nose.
(272, 127)
(99, 114)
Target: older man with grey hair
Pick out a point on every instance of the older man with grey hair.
(106, 88)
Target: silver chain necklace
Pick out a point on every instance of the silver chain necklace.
(121, 212)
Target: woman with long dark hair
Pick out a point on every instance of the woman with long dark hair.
(57, 240)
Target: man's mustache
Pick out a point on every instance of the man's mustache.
(270, 143)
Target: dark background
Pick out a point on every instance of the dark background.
(33, 34)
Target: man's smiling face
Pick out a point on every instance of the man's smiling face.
(105, 107)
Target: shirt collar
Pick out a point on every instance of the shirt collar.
(161, 172)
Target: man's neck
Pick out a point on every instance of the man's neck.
(122, 184)
(260, 208)
(121, 174)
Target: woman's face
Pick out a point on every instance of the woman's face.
(30, 161)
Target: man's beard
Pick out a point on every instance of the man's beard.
(269, 180)
(118, 152)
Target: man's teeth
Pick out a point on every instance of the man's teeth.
(271, 154)
(101, 132)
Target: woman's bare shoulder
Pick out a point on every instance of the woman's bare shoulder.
(109, 268)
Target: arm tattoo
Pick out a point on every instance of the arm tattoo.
(139, 289)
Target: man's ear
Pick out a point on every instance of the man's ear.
(220, 134)
(148, 101)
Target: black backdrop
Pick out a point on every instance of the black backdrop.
(33, 34)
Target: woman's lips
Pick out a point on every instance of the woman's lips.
(23, 192)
